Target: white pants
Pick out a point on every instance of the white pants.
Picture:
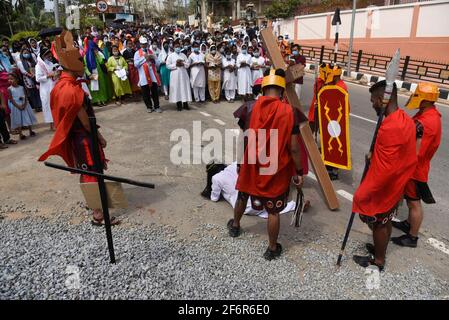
(166, 90)
(298, 88)
(230, 94)
(199, 93)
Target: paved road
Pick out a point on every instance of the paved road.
(139, 147)
(362, 124)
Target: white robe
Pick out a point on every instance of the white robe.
(256, 74)
(244, 77)
(43, 68)
(223, 183)
(197, 72)
(179, 79)
(229, 78)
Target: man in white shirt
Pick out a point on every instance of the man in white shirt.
(223, 184)
(180, 92)
(197, 74)
(229, 77)
(146, 63)
(244, 77)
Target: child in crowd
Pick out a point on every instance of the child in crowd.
(22, 115)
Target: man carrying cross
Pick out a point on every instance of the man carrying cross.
(272, 136)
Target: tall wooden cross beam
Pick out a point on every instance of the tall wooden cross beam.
(292, 73)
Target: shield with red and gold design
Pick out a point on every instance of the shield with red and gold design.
(333, 113)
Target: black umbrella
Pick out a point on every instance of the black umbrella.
(119, 20)
(48, 32)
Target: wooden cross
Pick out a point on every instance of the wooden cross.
(293, 73)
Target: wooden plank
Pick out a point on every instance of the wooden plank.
(306, 133)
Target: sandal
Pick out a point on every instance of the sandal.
(32, 134)
(100, 223)
(271, 255)
(3, 146)
(11, 141)
(233, 231)
(370, 248)
(366, 261)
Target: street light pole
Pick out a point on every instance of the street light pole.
(351, 37)
(56, 10)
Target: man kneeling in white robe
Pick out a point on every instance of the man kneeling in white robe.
(223, 183)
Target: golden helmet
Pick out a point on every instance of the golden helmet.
(323, 71)
(273, 80)
(425, 91)
(332, 72)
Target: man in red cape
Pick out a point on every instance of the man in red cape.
(319, 83)
(271, 159)
(428, 135)
(393, 162)
(71, 110)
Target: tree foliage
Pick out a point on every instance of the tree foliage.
(282, 9)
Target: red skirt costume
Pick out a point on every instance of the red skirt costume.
(71, 140)
(268, 190)
(428, 129)
(392, 165)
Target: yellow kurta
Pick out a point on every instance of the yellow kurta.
(120, 87)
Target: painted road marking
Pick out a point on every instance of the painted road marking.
(438, 245)
(359, 117)
(312, 176)
(219, 122)
(345, 194)
(205, 114)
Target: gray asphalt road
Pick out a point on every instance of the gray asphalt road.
(362, 125)
(437, 220)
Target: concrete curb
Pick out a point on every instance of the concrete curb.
(404, 86)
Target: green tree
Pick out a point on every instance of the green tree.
(284, 9)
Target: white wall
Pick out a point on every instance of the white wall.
(393, 23)
(361, 19)
(288, 27)
(433, 20)
(311, 27)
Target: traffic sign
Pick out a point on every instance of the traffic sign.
(102, 6)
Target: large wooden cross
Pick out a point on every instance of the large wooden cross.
(292, 73)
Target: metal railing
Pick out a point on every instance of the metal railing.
(376, 64)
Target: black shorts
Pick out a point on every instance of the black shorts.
(381, 218)
(417, 190)
(272, 205)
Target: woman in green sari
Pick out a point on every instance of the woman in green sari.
(95, 68)
(118, 68)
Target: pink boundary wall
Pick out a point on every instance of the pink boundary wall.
(423, 48)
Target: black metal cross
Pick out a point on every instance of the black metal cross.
(98, 173)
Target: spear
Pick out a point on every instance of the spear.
(336, 22)
(390, 76)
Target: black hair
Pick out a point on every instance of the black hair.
(375, 88)
(380, 85)
(279, 72)
(257, 89)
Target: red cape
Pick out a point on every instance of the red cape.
(431, 121)
(319, 83)
(392, 165)
(268, 113)
(66, 100)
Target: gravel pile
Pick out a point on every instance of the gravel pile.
(43, 259)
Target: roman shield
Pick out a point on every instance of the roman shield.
(333, 114)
